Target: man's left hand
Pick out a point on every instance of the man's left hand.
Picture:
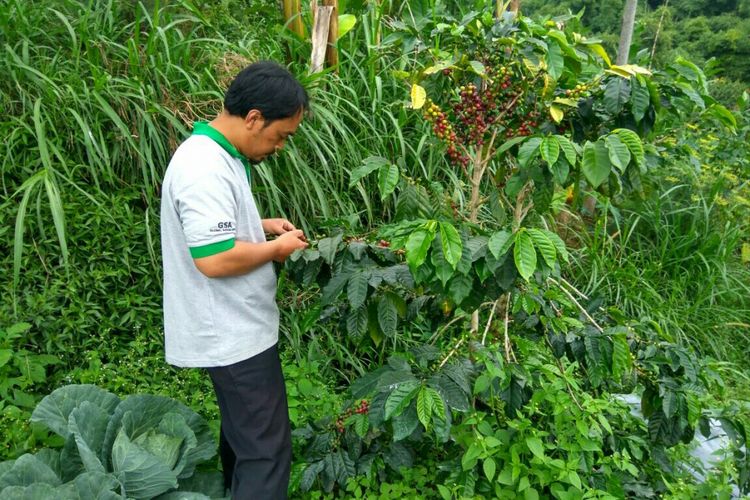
(277, 226)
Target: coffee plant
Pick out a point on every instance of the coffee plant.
(508, 381)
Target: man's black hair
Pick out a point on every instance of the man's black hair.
(268, 87)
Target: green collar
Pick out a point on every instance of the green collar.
(203, 128)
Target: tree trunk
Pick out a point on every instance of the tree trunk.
(626, 33)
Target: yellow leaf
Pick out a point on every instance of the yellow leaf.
(556, 113)
(746, 253)
(599, 50)
(636, 70)
(531, 66)
(628, 70)
(418, 96)
(549, 85)
(616, 70)
(566, 101)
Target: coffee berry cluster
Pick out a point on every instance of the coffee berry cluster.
(361, 409)
(502, 104)
(578, 91)
(443, 130)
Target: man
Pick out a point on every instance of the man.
(220, 311)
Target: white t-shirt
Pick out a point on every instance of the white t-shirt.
(206, 205)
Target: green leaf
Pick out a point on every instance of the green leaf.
(424, 407)
(388, 176)
(528, 150)
(88, 425)
(387, 315)
(142, 474)
(361, 424)
(369, 165)
(329, 246)
(97, 485)
(692, 94)
(5, 356)
(560, 171)
(142, 412)
(616, 94)
(452, 393)
(550, 149)
(535, 446)
(489, 467)
(596, 165)
(499, 243)
(369, 382)
(445, 493)
(469, 460)
(555, 61)
(477, 67)
(451, 243)
(460, 287)
(723, 115)
(405, 423)
(544, 245)
(509, 144)
(357, 288)
(619, 154)
(346, 23)
(400, 397)
(670, 403)
(27, 470)
(621, 360)
(163, 446)
(356, 322)
(524, 254)
(334, 287)
(559, 244)
(53, 411)
(640, 98)
(567, 148)
(633, 142)
(438, 405)
(417, 246)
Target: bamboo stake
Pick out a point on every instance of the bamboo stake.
(332, 53)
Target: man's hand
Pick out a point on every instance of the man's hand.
(288, 243)
(277, 226)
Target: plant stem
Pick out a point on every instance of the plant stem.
(580, 307)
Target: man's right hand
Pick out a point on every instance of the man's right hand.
(288, 243)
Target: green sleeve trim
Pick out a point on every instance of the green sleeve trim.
(211, 249)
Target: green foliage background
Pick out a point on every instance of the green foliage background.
(97, 97)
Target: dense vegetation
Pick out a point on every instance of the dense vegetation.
(713, 34)
(512, 239)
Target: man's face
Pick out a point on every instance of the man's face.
(262, 139)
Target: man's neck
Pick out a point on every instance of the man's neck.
(227, 124)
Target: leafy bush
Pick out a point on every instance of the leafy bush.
(140, 447)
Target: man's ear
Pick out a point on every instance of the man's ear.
(253, 118)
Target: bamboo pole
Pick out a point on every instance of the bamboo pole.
(293, 17)
(332, 52)
(320, 35)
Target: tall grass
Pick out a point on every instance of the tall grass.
(674, 260)
(97, 95)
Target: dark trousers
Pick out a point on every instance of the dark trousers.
(255, 443)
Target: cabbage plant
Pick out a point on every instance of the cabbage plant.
(143, 446)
